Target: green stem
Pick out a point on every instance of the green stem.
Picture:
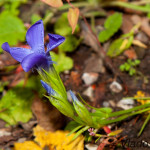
(142, 2)
(48, 18)
(144, 124)
(75, 129)
(141, 98)
(113, 3)
(114, 114)
(105, 122)
(126, 5)
(80, 132)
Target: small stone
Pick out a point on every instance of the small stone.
(126, 103)
(89, 78)
(89, 92)
(140, 52)
(112, 103)
(21, 140)
(4, 133)
(115, 87)
(141, 36)
(91, 146)
(106, 104)
(66, 72)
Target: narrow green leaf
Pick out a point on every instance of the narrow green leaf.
(113, 133)
(80, 132)
(144, 124)
(71, 125)
(75, 129)
(122, 112)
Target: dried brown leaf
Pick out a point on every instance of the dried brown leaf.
(53, 3)
(73, 16)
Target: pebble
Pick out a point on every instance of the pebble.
(4, 133)
(91, 146)
(112, 103)
(141, 36)
(115, 87)
(21, 140)
(89, 78)
(126, 103)
(106, 104)
(89, 92)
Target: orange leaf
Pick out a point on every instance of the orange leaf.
(131, 54)
(107, 129)
(73, 16)
(53, 3)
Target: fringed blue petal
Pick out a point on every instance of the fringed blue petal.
(49, 90)
(74, 98)
(54, 41)
(35, 37)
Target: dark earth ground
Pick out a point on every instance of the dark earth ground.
(72, 80)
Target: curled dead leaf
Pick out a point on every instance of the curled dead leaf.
(73, 16)
(53, 3)
(139, 43)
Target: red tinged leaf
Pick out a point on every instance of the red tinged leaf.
(53, 3)
(107, 129)
(73, 16)
(101, 146)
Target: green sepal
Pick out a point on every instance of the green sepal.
(82, 111)
(63, 106)
(53, 79)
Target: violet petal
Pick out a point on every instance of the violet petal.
(34, 60)
(35, 37)
(17, 53)
(49, 90)
(5, 46)
(55, 40)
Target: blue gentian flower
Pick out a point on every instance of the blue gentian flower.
(81, 110)
(58, 101)
(49, 90)
(74, 98)
(35, 57)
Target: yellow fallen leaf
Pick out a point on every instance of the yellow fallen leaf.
(58, 139)
(113, 133)
(73, 16)
(27, 145)
(53, 3)
(141, 94)
(139, 43)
